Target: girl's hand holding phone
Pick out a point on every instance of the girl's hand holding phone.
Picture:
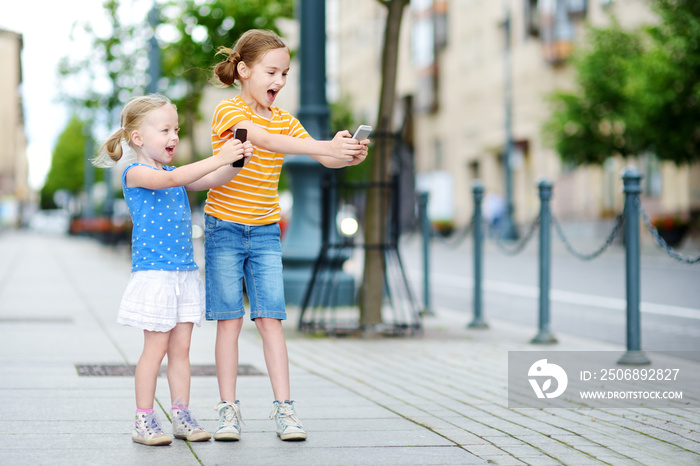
(247, 151)
(344, 147)
(359, 158)
(234, 150)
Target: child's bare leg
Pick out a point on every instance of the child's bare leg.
(155, 345)
(276, 359)
(226, 354)
(179, 362)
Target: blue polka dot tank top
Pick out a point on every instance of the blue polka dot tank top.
(161, 238)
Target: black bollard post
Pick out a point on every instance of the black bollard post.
(545, 336)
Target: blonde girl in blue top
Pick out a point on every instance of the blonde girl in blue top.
(165, 294)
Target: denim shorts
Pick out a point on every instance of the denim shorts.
(234, 252)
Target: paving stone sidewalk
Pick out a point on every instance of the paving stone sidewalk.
(440, 398)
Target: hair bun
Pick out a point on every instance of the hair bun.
(234, 58)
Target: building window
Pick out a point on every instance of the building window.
(428, 38)
(552, 22)
(532, 19)
(474, 170)
(652, 175)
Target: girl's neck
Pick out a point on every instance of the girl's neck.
(141, 158)
(260, 110)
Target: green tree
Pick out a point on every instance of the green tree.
(67, 163)
(597, 120)
(669, 84)
(636, 91)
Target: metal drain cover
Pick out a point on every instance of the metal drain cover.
(127, 370)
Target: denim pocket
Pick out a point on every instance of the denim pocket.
(211, 224)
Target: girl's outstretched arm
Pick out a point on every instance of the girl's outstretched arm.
(331, 162)
(342, 147)
(186, 175)
(224, 174)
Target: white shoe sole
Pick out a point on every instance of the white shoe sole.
(227, 436)
(195, 437)
(157, 441)
(292, 436)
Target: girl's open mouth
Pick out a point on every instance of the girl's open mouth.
(271, 94)
(170, 150)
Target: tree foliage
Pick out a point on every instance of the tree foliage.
(669, 90)
(636, 91)
(116, 69)
(67, 163)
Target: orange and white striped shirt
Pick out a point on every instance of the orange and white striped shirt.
(251, 197)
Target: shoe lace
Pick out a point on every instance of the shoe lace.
(287, 416)
(231, 411)
(152, 423)
(188, 418)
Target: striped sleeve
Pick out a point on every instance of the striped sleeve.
(226, 116)
(295, 128)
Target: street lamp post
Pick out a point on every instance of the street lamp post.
(508, 230)
(302, 241)
(153, 51)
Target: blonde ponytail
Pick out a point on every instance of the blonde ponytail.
(111, 151)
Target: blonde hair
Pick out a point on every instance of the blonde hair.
(132, 117)
(249, 49)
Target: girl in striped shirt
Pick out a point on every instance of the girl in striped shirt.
(242, 235)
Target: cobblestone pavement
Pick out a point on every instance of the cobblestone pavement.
(439, 398)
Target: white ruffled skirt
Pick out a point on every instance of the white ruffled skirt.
(157, 300)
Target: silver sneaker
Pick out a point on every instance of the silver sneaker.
(288, 424)
(230, 420)
(186, 426)
(147, 430)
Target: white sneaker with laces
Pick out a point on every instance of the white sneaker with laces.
(288, 424)
(230, 420)
(147, 430)
(186, 426)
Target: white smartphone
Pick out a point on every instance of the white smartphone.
(363, 132)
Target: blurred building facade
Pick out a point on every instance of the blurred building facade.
(14, 189)
(452, 70)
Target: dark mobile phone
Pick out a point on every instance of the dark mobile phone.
(241, 134)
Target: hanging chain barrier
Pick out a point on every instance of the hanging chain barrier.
(586, 257)
(457, 238)
(628, 219)
(520, 245)
(660, 241)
